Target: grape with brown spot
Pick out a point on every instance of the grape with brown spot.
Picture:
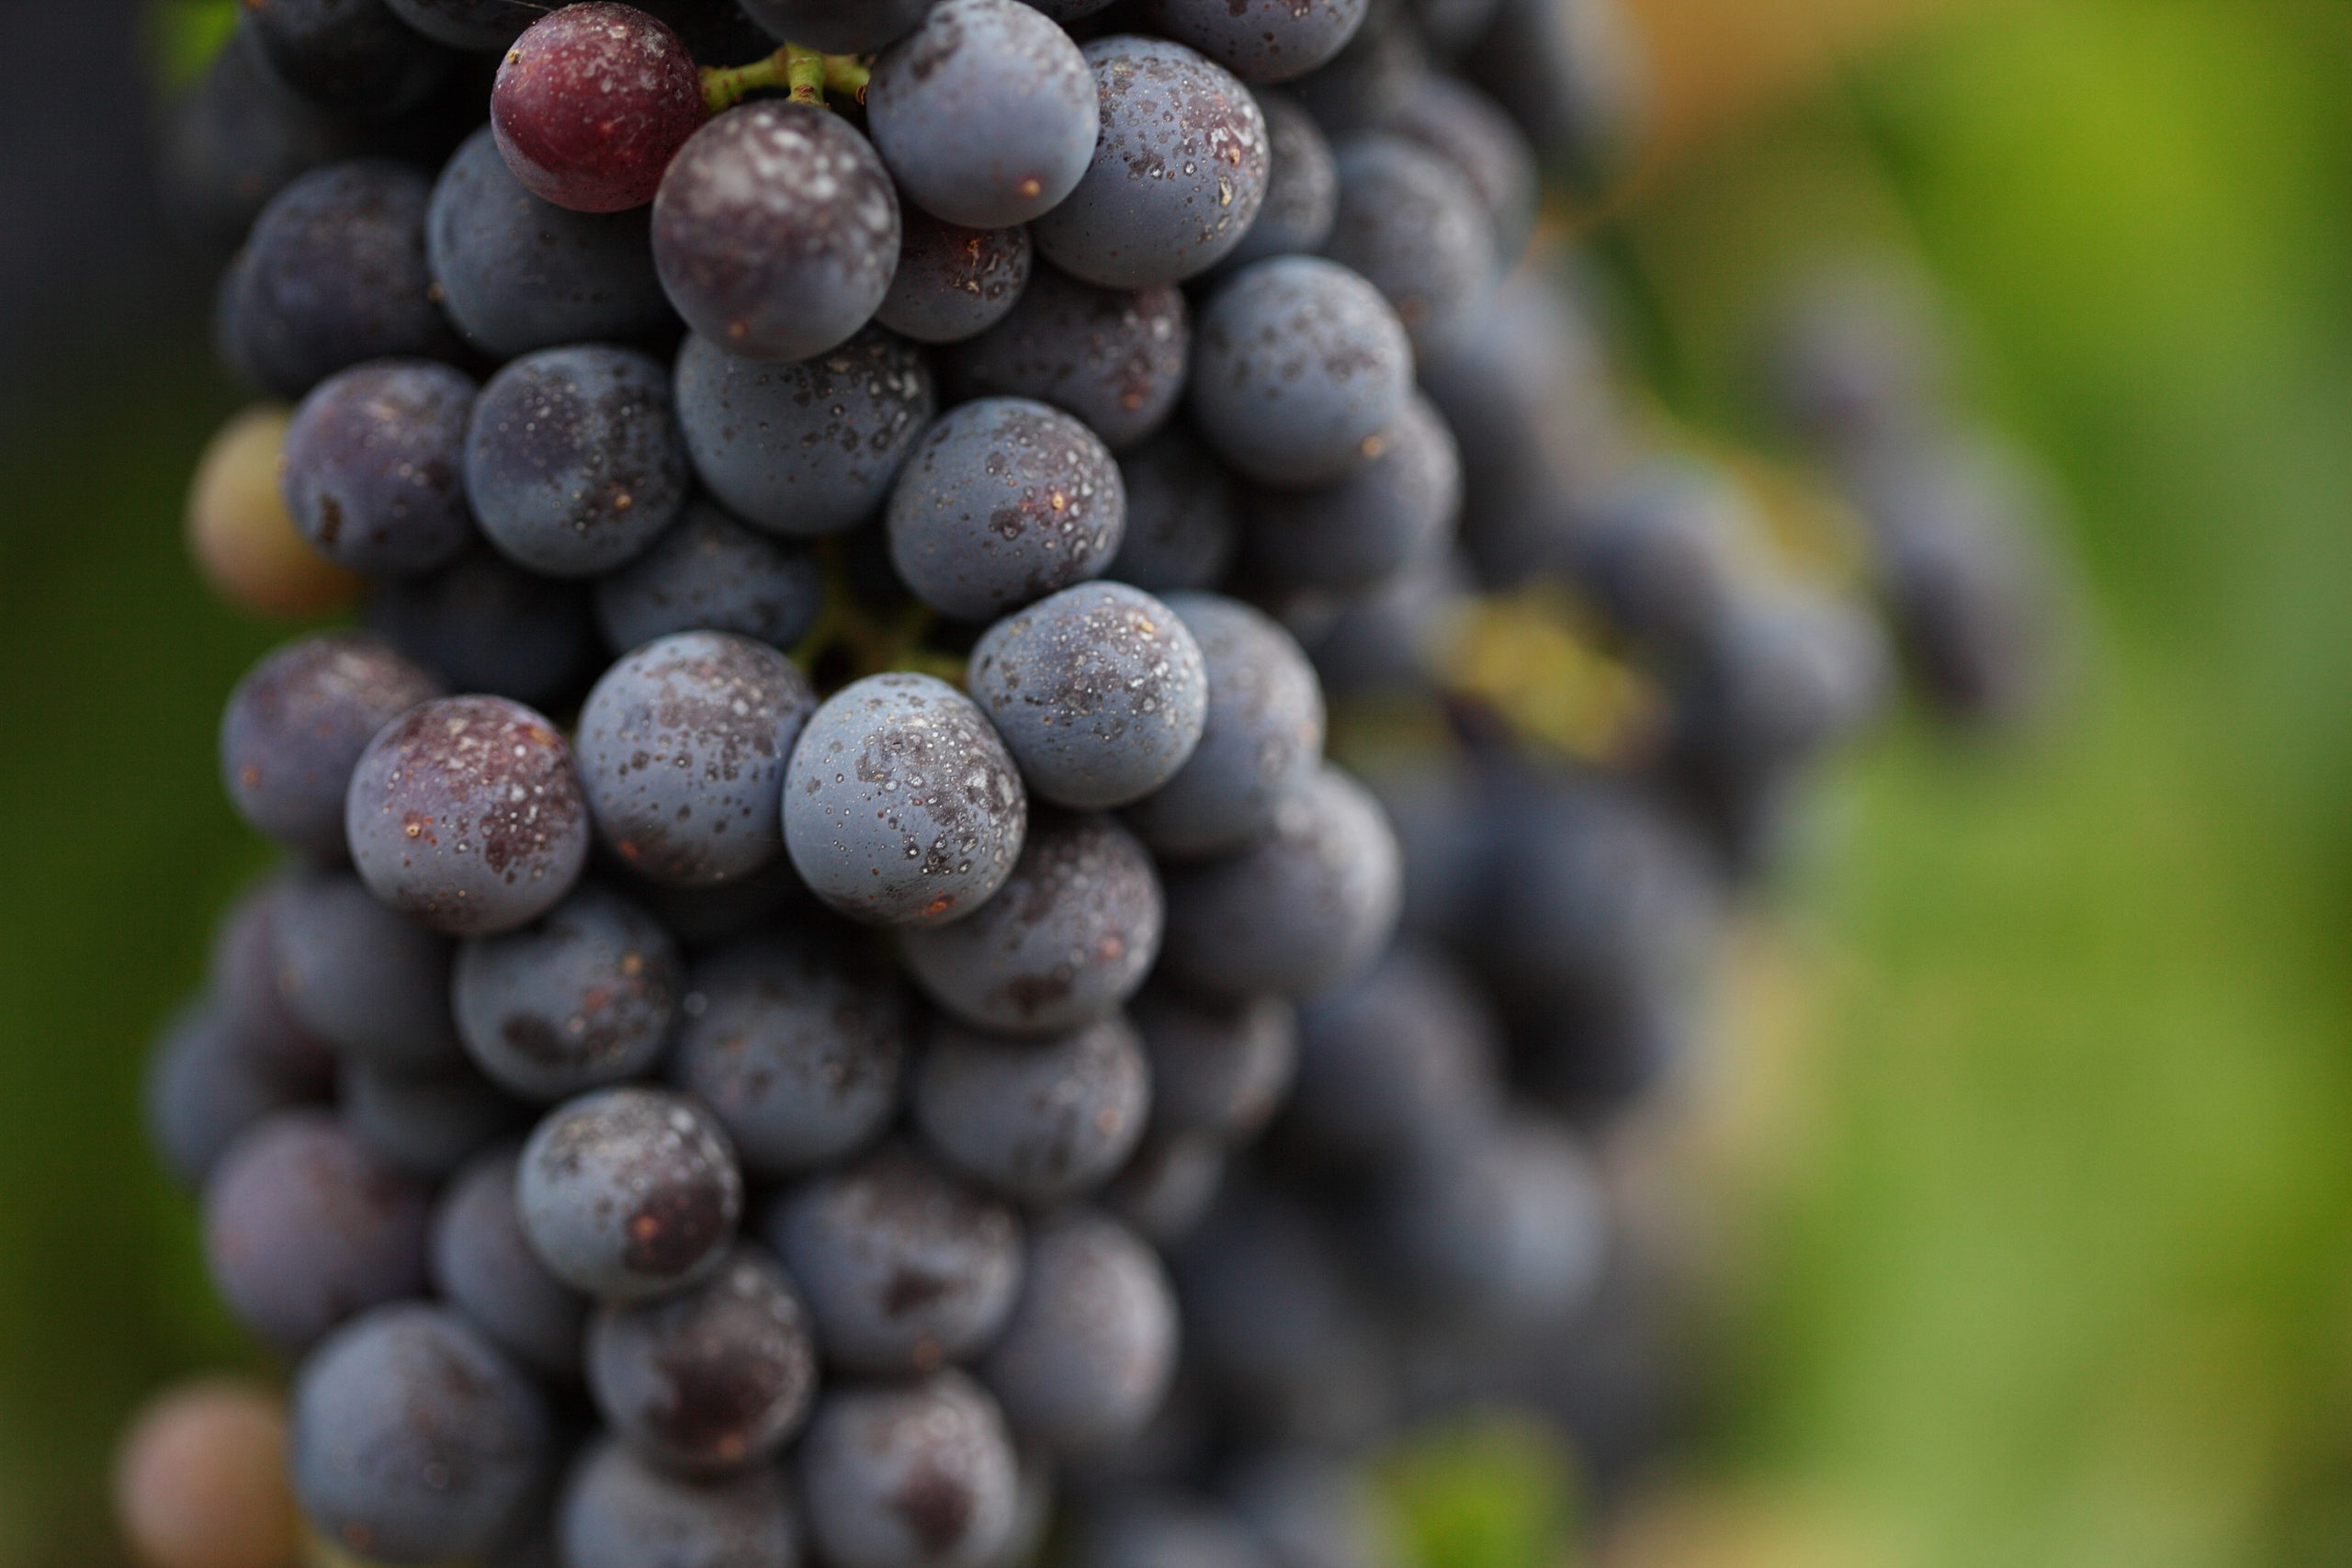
(591, 104)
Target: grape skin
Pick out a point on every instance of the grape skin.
(590, 105)
(1184, 516)
(1261, 40)
(373, 463)
(616, 1511)
(426, 1124)
(484, 1265)
(1398, 511)
(1411, 224)
(908, 1476)
(1302, 187)
(244, 541)
(200, 1479)
(776, 231)
(954, 282)
(1115, 357)
(1509, 1224)
(1038, 1120)
(580, 998)
(204, 1089)
(1471, 132)
(1312, 1511)
(711, 573)
(1169, 1185)
(839, 27)
(1402, 1062)
(1166, 1529)
(242, 976)
(1220, 1069)
(357, 60)
(485, 625)
(1091, 1344)
(629, 1193)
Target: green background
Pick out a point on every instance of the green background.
(2054, 1268)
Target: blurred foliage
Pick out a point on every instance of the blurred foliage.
(1486, 1491)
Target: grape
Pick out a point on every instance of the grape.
(373, 466)
(1396, 637)
(1313, 1511)
(620, 1512)
(682, 750)
(295, 728)
(1004, 501)
(1166, 1529)
(702, 917)
(573, 460)
(1112, 356)
(580, 998)
(304, 1227)
(1509, 1224)
(901, 806)
(204, 1087)
(1401, 1061)
(809, 448)
(1783, 675)
(481, 1262)
(903, 1266)
(1091, 1344)
(517, 274)
(200, 1479)
(482, 25)
(1038, 1120)
(1412, 225)
(236, 139)
(354, 59)
(1854, 357)
(485, 625)
(414, 1442)
(776, 231)
(465, 814)
(953, 283)
(1261, 40)
(1397, 511)
(985, 113)
(908, 1475)
(1183, 518)
(1369, 82)
(839, 27)
(1596, 1058)
(1658, 551)
(1099, 691)
(1262, 739)
(428, 1123)
(592, 103)
(334, 274)
(1433, 802)
(1300, 910)
(796, 1042)
(244, 542)
(1300, 366)
(714, 1378)
(1216, 1067)
(243, 980)
(1572, 72)
(1168, 1186)
(711, 573)
(1470, 131)
(1033, 1514)
(1178, 172)
(1069, 938)
(371, 983)
(1302, 187)
(629, 1193)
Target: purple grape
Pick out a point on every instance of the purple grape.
(1314, 1511)
(1039, 1120)
(1510, 1225)
(357, 60)
(953, 282)
(204, 1089)
(244, 976)
(1397, 511)
(1091, 1344)
(484, 1265)
(711, 573)
(1470, 131)
(629, 1193)
(426, 1124)
(485, 625)
(1166, 1528)
(1412, 225)
(1115, 357)
(1168, 1187)
(582, 997)
(1401, 1061)
(1183, 520)
(1218, 1068)
(908, 1475)
(374, 467)
(620, 1512)
(1302, 187)
(839, 27)
(1261, 40)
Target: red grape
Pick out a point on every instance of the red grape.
(592, 102)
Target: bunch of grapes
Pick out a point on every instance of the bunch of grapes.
(826, 999)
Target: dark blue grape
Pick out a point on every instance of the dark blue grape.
(953, 282)
(1573, 74)
(1397, 511)
(413, 1440)
(901, 805)
(1410, 224)
(245, 977)
(573, 460)
(1261, 40)
(620, 1512)
(629, 1193)
(1218, 1068)
(1166, 1528)
(1299, 910)
(1785, 674)
(1432, 800)
(295, 728)
(580, 998)
(796, 1043)
(903, 1266)
(1176, 176)
(303, 1227)
(374, 463)
(1262, 739)
(1004, 501)
(1509, 1225)
(985, 113)
(352, 57)
(1595, 1059)
(1302, 187)
(1091, 1344)
(1451, 26)
(465, 814)
(1099, 691)
(1313, 1511)
(681, 749)
(839, 27)
(1394, 637)
(711, 573)
(1659, 552)
(1400, 1061)
(1371, 80)
(776, 231)
(908, 1475)
(484, 1265)
(517, 274)
(204, 1089)
(1040, 1120)
(712, 1379)
(1472, 133)
(1183, 520)
(1115, 357)
(1300, 366)
(485, 625)
(1169, 1185)
(482, 25)
(809, 448)
(1069, 938)
(428, 1123)
(333, 275)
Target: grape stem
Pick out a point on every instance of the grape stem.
(874, 644)
(807, 74)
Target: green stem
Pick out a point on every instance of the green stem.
(807, 74)
(805, 69)
(847, 75)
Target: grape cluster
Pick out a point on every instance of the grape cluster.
(828, 998)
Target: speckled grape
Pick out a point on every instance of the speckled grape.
(1039, 1120)
(953, 282)
(374, 466)
(1183, 516)
(1302, 187)
(629, 1193)
(1399, 510)
(910, 1475)
(1092, 1345)
(582, 997)
(1115, 357)
(1261, 40)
